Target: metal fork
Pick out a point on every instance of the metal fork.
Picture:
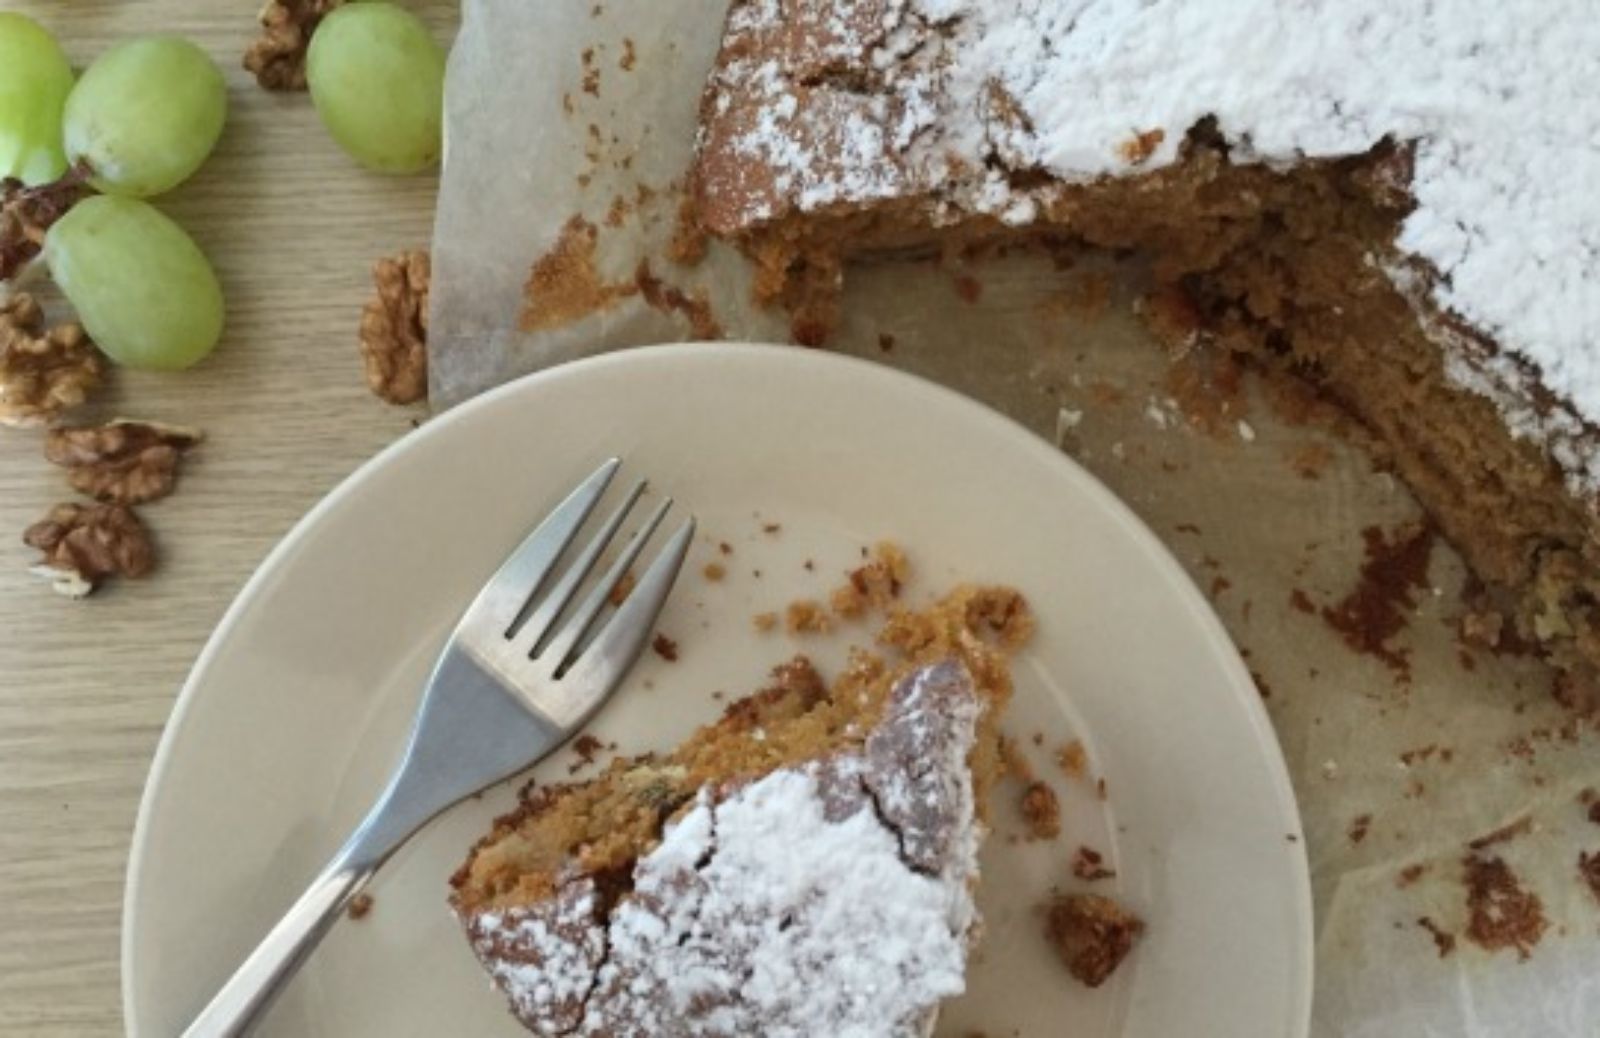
(510, 687)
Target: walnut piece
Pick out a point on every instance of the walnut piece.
(85, 544)
(26, 213)
(122, 462)
(394, 328)
(278, 57)
(41, 373)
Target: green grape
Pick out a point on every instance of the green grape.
(145, 115)
(34, 82)
(377, 79)
(143, 289)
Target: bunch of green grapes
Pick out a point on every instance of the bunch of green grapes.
(142, 118)
(145, 115)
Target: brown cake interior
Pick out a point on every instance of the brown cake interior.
(601, 827)
(1275, 265)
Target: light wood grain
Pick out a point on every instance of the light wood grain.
(85, 687)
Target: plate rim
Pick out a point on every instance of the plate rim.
(467, 411)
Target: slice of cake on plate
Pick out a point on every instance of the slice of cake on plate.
(1394, 202)
(804, 866)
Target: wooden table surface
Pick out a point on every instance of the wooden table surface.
(85, 687)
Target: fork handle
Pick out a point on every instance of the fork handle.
(236, 1009)
(412, 797)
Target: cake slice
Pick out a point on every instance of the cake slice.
(804, 866)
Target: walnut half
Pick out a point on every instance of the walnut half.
(278, 57)
(394, 328)
(122, 462)
(85, 544)
(41, 373)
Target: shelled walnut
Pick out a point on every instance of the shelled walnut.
(42, 373)
(122, 462)
(85, 544)
(394, 328)
(278, 57)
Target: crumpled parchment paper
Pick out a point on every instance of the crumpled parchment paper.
(557, 110)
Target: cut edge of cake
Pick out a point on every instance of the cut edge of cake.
(1295, 266)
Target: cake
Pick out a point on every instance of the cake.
(1394, 203)
(803, 866)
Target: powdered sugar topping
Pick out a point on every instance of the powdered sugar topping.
(1495, 100)
(828, 899)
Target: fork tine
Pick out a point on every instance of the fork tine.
(624, 637)
(522, 574)
(527, 635)
(556, 653)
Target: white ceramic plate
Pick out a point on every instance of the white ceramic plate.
(298, 704)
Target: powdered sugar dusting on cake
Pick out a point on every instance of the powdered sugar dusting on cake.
(543, 956)
(828, 899)
(1494, 100)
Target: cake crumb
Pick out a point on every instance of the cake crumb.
(1042, 811)
(1072, 758)
(1136, 150)
(771, 528)
(885, 342)
(585, 746)
(624, 587)
(1409, 875)
(1589, 870)
(764, 621)
(1358, 828)
(807, 616)
(1088, 865)
(359, 907)
(564, 285)
(665, 647)
(1501, 913)
(714, 571)
(694, 306)
(1442, 939)
(872, 585)
(1369, 617)
(725, 547)
(629, 55)
(1092, 934)
(591, 73)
